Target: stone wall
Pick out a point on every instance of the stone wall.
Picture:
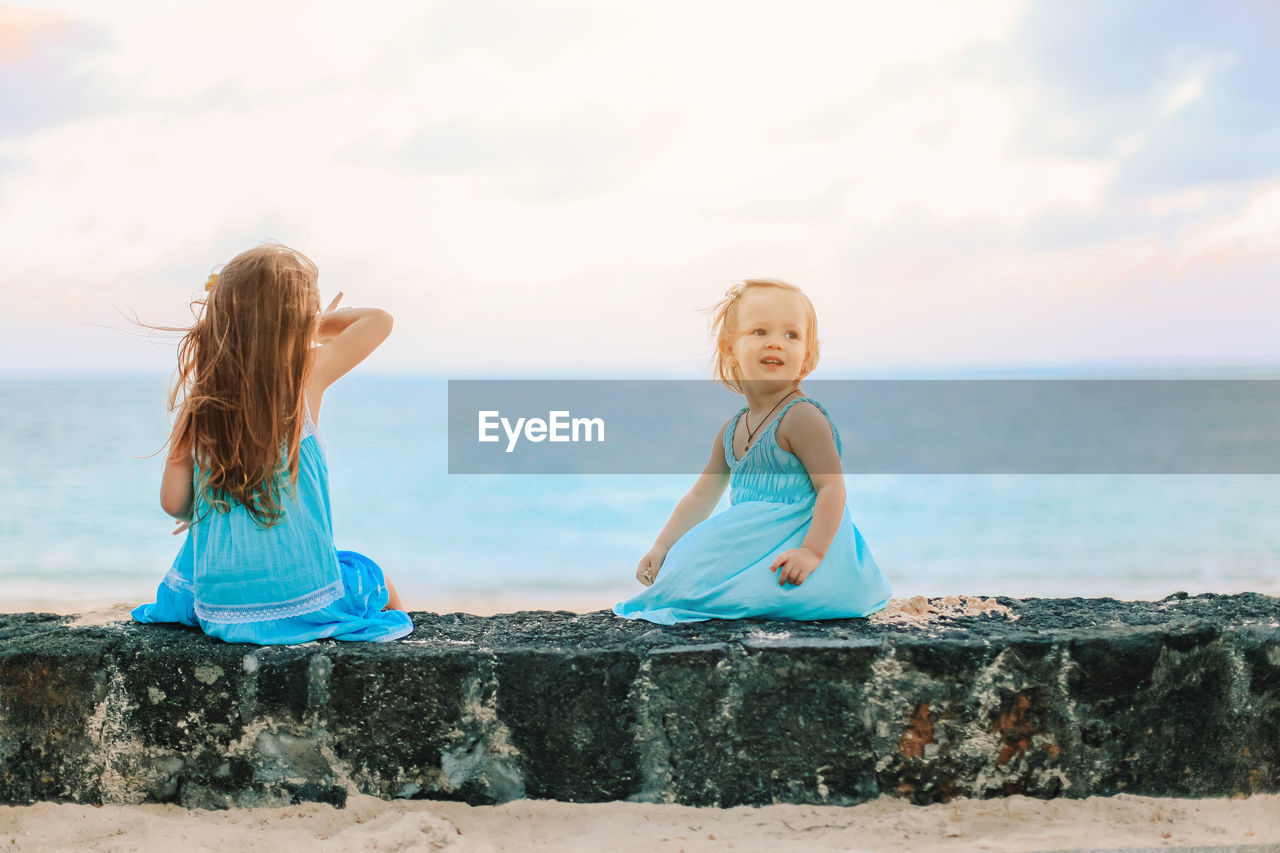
(1072, 697)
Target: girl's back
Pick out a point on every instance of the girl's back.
(292, 563)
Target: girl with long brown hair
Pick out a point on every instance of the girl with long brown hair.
(246, 477)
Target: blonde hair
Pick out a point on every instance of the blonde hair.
(242, 371)
(724, 328)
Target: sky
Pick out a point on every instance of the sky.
(559, 189)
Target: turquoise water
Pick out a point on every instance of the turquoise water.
(80, 517)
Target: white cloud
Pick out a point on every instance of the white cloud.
(1092, 271)
(1250, 237)
(1193, 84)
(22, 30)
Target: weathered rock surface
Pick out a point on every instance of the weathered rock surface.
(1074, 697)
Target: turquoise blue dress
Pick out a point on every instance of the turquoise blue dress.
(287, 583)
(721, 568)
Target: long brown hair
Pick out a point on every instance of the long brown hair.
(242, 372)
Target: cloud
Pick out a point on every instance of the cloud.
(1249, 238)
(535, 157)
(24, 31)
(1101, 269)
(501, 32)
(45, 70)
(1175, 94)
(1209, 142)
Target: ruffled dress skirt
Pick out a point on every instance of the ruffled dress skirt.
(356, 615)
(721, 570)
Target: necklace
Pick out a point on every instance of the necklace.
(751, 433)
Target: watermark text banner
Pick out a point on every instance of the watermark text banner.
(1038, 426)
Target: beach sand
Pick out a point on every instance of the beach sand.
(1011, 823)
(1005, 824)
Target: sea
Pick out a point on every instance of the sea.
(80, 519)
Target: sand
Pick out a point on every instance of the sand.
(919, 610)
(1012, 823)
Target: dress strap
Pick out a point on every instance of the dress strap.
(834, 432)
(727, 441)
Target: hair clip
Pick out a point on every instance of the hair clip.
(735, 290)
(213, 279)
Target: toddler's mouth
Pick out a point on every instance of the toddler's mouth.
(771, 361)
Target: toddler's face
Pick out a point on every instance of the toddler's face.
(771, 337)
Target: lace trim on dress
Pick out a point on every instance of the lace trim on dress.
(309, 427)
(236, 613)
(176, 582)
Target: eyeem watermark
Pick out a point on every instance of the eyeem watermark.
(1033, 426)
(559, 426)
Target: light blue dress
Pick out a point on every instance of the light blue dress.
(282, 584)
(721, 568)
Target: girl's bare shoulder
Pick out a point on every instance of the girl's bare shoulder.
(803, 424)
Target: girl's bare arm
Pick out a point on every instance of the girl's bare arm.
(177, 494)
(346, 337)
(693, 508)
(807, 433)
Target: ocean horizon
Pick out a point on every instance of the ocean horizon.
(81, 520)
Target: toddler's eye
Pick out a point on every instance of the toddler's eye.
(757, 331)
(793, 335)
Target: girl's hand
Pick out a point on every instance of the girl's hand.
(181, 526)
(795, 565)
(327, 321)
(650, 563)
